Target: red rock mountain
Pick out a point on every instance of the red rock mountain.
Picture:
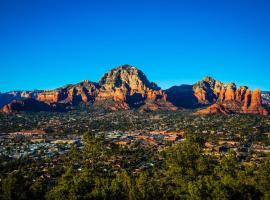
(220, 97)
(127, 87)
(227, 98)
(85, 92)
(124, 87)
(32, 105)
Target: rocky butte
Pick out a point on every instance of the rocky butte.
(126, 87)
(84, 92)
(217, 97)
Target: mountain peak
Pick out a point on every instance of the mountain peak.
(126, 76)
(126, 67)
(129, 87)
(209, 79)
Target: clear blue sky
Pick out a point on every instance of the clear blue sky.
(48, 43)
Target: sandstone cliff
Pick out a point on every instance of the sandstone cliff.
(127, 87)
(220, 97)
(32, 105)
(124, 87)
(85, 92)
(228, 98)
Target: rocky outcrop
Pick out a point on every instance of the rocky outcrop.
(220, 97)
(85, 92)
(126, 87)
(227, 98)
(183, 96)
(253, 103)
(266, 99)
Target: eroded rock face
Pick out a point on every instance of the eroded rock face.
(214, 109)
(128, 88)
(229, 98)
(209, 91)
(122, 88)
(220, 97)
(254, 104)
(85, 91)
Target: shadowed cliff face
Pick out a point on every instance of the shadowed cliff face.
(227, 98)
(6, 98)
(183, 96)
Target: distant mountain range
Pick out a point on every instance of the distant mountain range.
(8, 97)
(266, 98)
(126, 87)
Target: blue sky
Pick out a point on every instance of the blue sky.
(49, 43)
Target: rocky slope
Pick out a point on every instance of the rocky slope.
(126, 87)
(83, 92)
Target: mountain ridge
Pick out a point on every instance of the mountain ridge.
(126, 87)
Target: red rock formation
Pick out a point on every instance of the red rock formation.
(255, 106)
(241, 93)
(201, 95)
(50, 96)
(72, 94)
(214, 109)
(229, 98)
(230, 94)
(127, 87)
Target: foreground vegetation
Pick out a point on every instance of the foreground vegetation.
(183, 172)
(102, 170)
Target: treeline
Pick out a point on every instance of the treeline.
(179, 172)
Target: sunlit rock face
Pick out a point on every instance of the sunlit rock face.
(220, 97)
(128, 87)
(122, 88)
(85, 91)
(228, 98)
